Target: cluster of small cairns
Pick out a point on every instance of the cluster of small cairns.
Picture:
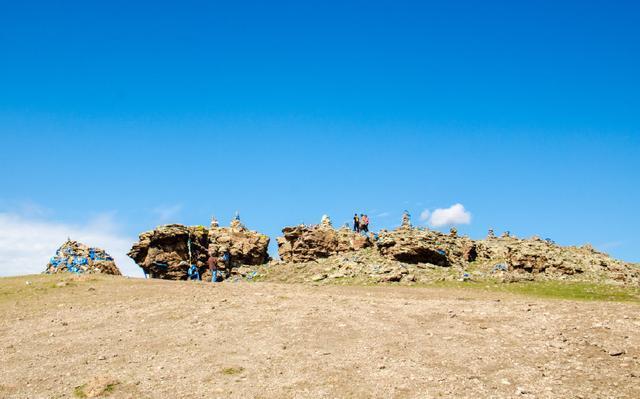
(169, 251)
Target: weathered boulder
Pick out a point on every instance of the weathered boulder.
(410, 245)
(304, 243)
(245, 247)
(168, 251)
(76, 257)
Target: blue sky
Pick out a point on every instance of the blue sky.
(120, 117)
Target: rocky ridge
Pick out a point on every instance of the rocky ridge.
(409, 254)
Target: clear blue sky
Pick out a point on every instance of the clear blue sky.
(527, 114)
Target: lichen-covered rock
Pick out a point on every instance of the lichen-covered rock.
(245, 247)
(304, 243)
(76, 257)
(512, 257)
(411, 245)
(544, 257)
(168, 251)
(408, 255)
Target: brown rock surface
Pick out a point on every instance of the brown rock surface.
(168, 251)
(414, 245)
(304, 243)
(546, 258)
(76, 257)
(245, 247)
(165, 251)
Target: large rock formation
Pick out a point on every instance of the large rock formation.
(418, 254)
(535, 256)
(168, 251)
(304, 243)
(76, 257)
(413, 245)
(416, 245)
(244, 246)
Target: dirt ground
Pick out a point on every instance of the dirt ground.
(165, 339)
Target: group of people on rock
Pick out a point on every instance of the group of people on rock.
(361, 223)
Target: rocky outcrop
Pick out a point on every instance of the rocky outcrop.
(410, 246)
(76, 257)
(168, 251)
(411, 253)
(544, 257)
(415, 245)
(304, 243)
(245, 247)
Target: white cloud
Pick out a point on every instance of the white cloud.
(383, 215)
(27, 244)
(167, 213)
(424, 216)
(455, 214)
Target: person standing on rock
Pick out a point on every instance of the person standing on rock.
(361, 228)
(356, 223)
(365, 224)
(213, 267)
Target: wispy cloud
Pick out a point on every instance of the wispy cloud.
(454, 215)
(26, 208)
(383, 215)
(424, 215)
(27, 243)
(610, 245)
(167, 213)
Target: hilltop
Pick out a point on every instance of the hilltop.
(405, 255)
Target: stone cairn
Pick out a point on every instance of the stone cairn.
(78, 258)
(406, 220)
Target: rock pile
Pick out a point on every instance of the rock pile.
(543, 258)
(304, 243)
(168, 251)
(76, 257)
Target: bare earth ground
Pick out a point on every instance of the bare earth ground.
(164, 339)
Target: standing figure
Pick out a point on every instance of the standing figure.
(213, 267)
(365, 224)
(356, 223)
(226, 260)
